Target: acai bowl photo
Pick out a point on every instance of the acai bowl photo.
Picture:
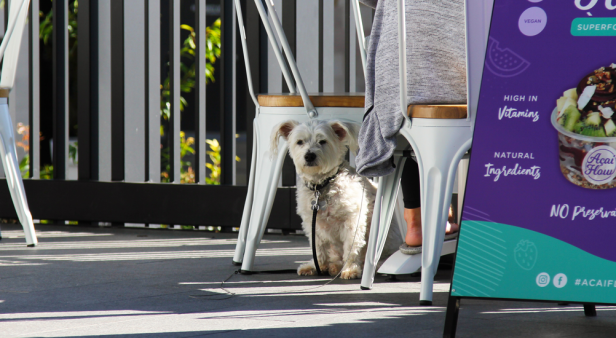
(586, 124)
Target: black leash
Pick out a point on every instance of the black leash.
(243, 272)
(315, 208)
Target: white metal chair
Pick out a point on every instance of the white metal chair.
(271, 110)
(18, 12)
(439, 143)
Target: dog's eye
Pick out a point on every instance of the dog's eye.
(300, 142)
(322, 142)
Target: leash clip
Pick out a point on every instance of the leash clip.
(315, 202)
(315, 206)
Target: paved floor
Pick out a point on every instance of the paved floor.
(104, 282)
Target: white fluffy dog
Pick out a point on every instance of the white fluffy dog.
(346, 200)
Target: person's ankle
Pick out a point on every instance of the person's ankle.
(413, 225)
(413, 237)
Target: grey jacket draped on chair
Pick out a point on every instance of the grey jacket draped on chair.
(436, 72)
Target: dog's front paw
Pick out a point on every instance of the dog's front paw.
(334, 268)
(307, 269)
(351, 272)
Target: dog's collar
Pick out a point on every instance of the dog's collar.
(318, 187)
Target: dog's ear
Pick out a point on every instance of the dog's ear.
(283, 130)
(347, 133)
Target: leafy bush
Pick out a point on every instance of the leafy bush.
(46, 172)
(187, 73)
(187, 83)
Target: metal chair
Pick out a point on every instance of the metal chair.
(271, 110)
(440, 135)
(18, 12)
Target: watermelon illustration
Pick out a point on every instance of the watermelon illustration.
(503, 62)
(525, 254)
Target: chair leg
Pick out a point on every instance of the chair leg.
(385, 204)
(438, 155)
(241, 237)
(399, 214)
(462, 176)
(13, 175)
(434, 216)
(390, 204)
(273, 188)
(369, 263)
(265, 190)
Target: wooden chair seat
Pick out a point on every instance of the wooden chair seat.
(351, 100)
(437, 111)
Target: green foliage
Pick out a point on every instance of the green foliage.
(215, 170)
(24, 166)
(187, 73)
(212, 48)
(46, 27)
(187, 83)
(187, 175)
(24, 143)
(72, 152)
(46, 172)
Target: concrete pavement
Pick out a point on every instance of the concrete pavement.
(123, 282)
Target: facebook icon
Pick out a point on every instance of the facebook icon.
(560, 280)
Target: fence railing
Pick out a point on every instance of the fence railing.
(111, 100)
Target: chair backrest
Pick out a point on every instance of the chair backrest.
(240, 22)
(18, 12)
(359, 28)
(478, 18)
(271, 15)
(265, 18)
(401, 14)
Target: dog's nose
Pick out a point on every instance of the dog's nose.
(310, 157)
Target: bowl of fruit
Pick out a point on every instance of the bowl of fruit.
(586, 124)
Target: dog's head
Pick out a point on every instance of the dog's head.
(317, 147)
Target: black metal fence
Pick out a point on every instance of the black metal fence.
(125, 50)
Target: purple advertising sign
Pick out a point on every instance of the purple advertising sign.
(539, 220)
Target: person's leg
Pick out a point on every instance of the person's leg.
(412, 205)
(409, 183)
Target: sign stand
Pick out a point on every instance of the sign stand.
(537, 222)
(590, 310)
(451, 318)
(453, 310)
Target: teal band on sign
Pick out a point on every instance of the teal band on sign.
(593, 27)
(497, 260)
